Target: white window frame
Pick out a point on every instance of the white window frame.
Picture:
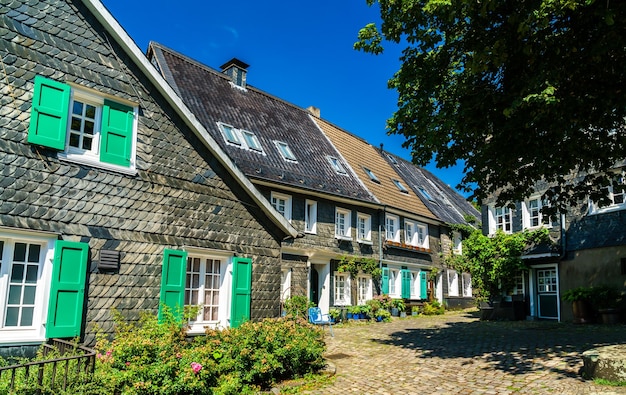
(415, 233)
(342, 288)
(92, 156)
(285, 151)
(343, 231)
(310, 216)
(453, 282)
(225, 289)
(392, 228)
(519, 286)
(394, 287)
(275, 198)
(595, 209)
(36, 332)
(252, 141)
(230, 134)
(335, 163)
(364, 233)
(529, 214)
(399, 185)
(457, 243)
(371, 175)
(364, 288)
(466, 284)
(285, 284)
(495, 213)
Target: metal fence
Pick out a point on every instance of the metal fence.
(51, 373)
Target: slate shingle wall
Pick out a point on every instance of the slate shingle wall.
(180, 196)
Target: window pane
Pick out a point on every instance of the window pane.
(90, 112)
(89, 127)
(31, 274)
(74, 140)
(194, 297)
(12, 314)
(87, 143)
(196, 264)
(17, 274)
(75, 124)
(78, 108)
(19, 255)
(195, 280)
(27, 316)
(15, 294)
(29, 295)
(33, 253)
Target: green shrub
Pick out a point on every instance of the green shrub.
(298, 306)
(433, 308)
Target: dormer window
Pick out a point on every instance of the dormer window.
(371, 175)
(285, 151)
(401, 187)
(336, 165)
(251, 140)
(230, 133)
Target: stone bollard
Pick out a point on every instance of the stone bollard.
(607, 363)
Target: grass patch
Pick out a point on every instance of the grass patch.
(609, 382)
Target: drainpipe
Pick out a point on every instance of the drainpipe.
(563, 240)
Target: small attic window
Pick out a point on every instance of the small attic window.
(285, 151)
(336, 164)
(230, 133)
(425, 193)
(252, 140)
(400, 186)
(392, 159)
(371, 175)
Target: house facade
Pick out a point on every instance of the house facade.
(588, 249)
(112, 195)
(301, 174)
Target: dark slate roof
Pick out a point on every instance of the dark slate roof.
(212, 98)
(448, 205)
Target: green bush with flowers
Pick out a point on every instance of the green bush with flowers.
(151, 358)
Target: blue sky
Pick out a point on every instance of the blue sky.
(298, 51)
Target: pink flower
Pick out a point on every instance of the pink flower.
(179, 355)
(196, 367)
(109, 353)
(127, 363)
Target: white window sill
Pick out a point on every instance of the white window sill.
(609, 209)
(310, 232)
(85, 160)
(366, 242)
(346, 238)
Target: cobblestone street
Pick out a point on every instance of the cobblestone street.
(459, 354)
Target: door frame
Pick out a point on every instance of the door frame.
(534, 290)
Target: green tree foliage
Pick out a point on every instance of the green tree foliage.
(493, 261)
(519, 91)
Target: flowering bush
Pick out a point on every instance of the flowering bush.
(153, 358)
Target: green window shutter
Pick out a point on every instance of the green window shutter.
(242, 291)
(117, 133)
(384, 280)
(49, 113)
(67, 290)
(173, 275)
(423, 285)
(406, 284)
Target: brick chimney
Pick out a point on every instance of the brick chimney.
(236, 70)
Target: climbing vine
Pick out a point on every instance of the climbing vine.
(354, 265)
(493, 261)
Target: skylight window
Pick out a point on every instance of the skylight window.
(392, 159)
(400, 186)
(336, 164)
(230, 133)
(425, 193)
(371, 175)
(285, 151)
(252, 140)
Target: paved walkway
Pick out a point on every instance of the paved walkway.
(458, 354)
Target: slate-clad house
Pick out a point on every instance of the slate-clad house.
(284, 153)
(410, 238)
(450, 208)
(112, 194)
(588, 248)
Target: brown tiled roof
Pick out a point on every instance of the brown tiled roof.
(360, 155)
(212, 98)
(448, 205)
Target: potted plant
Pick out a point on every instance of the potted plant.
(353, 312)
(397, 305)
(335, 315)
(366, 311)
(605, 299)
(415, 310)
(580, 298)
(382, 315)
